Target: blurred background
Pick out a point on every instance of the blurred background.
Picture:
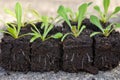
(49, 7)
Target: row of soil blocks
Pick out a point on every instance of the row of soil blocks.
(72, 55)
(20, 55)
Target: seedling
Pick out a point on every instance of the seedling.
(105, 32)
(14, 30)
(104, 17)
(13, 14)
(73, 16)
(75, 30)
(43, 19)
(47, 28)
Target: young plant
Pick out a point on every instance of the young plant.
(104, 17)
(75, 30)
(104, 31)
(43, 19)
(47, 28)
(73, 16)
(13, 14)
(14, 30)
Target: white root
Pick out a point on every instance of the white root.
(66, 56)
(48, 56)
(39, 59)
(72, 57)
(22, 52)
(45, 63)
(89, 60)
(52, 62)
(82, 62)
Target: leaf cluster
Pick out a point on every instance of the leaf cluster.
(104, 15)
(75, 30)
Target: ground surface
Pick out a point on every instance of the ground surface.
(49, 7)
(109, 75)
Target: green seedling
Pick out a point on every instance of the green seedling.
(104, 31)
(73, 16)
(14, 30)
(47, 28)
(43, 19)
(13, 14)
(75, 30)
(104, 17)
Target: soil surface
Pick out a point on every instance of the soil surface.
(85, 22)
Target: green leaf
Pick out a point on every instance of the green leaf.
(117, 25)
(3, 31)
(95, 33)
(117, 9)
(34, 38)
(45, 20)
(57, 35)
(35, 28)
(82, 28)
(65, 36)
(63, 13)
(97, 8)
(18, 11)
(9, 12)
(47, 31)
(68, 10)
(109, 27)
(36, 14)
(90, 3)
(24, 35)
(106, 4)
(12, 32)
(74, 29)
(82, 11)
(95, 21)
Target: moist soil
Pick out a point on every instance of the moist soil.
(85, 22)
(78, 53)
(45, 56)
(106, 52)
(15, 54)
(26, 29)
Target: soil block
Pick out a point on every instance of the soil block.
(78, 53)
(15, 54)
(45, 56)
(107, 51)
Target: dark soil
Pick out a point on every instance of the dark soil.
(78, 54)
(106, 55)
(85, 22)
(89, 25)
(26, 29)
(45, 56)
(15, 54)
